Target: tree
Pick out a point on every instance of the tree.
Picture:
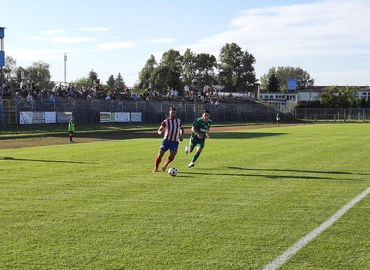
(18, 75)
(273, 84)
(205, 69)
(120, 83)
(83, 81)
(173, 60)
(164, 77)
(236, 68)
(189, 63)
(39, 72)
(168, 72)
(93, 76)
(146, 73)
(10, 69)
(339, 97)
(283, 73)
(111, 82)
(349, 97)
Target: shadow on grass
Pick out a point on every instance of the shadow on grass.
(43, 160)
(121, 135)
(242, 135)
(269, 176)
(104, 134)
(281, 170)
(136, 134)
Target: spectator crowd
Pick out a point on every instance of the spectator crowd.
(31, 94)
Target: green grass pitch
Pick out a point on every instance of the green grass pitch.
(251, 196)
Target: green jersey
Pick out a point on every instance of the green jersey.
(202, 126)
(71, 126)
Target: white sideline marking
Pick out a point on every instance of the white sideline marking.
(279, 261)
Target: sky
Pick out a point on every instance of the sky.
(330, 39)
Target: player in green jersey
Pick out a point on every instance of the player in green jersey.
(71, 128)
(200, 132)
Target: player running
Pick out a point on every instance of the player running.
(173, 132)
(200, 129)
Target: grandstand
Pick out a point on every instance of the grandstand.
(153, 110)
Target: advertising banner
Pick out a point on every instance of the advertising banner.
(105, 117)
(50, 117)
(25, 118)
(136, 117)
(63, 117)
(121, 117)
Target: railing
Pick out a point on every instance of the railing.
(332, 114)
(153, 111)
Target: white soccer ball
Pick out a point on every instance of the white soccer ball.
(172, 171)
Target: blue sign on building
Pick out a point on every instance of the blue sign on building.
(2, 59)
(2, 53)
(292, 84)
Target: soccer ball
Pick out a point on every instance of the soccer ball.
(172, 171)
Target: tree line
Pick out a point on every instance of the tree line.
(338, 97)
(234, 69)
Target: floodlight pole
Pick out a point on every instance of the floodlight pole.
(258, 90)
(2, 64)
(65, 68)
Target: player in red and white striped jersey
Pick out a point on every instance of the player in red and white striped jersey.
(173, 132)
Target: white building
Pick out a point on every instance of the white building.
(281, 101)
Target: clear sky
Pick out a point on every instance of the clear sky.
(328, 38)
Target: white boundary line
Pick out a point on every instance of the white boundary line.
(279, 261)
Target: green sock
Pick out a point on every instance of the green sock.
(195, 157)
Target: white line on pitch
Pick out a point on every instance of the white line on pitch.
(279, 261)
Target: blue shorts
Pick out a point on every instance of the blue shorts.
(166, 144)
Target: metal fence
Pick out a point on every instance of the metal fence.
(153, 111)
(332, 114)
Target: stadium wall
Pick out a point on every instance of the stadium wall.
(153, 111)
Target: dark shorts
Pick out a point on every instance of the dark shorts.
(195, 141)
(166, 144)
(71, 132)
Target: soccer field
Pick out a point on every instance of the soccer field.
(293, 197)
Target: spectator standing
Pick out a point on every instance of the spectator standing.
(186, 89)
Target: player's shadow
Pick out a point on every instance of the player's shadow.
(110, 135)
(242, 135)
(297, 171)
(270, 176)
(43, 160)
